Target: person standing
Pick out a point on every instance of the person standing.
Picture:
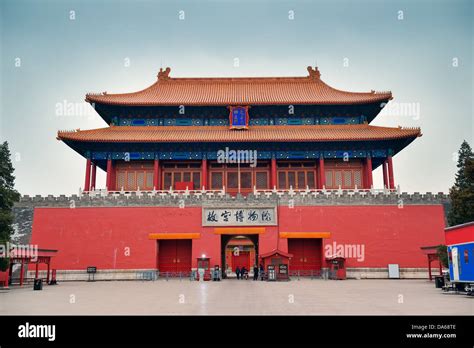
(255, 272)
(237, 271)
(261, 272)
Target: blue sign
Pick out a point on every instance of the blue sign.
(239, 117)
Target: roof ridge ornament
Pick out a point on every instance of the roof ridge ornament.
(164, 75)
(314, 73)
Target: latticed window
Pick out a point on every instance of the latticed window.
(358, 178)
(120, 180)
(167, 181)
(149, 180)
(329, 182)
(261, 180)
(281, 180)
(174, 173)
(197, 180)
(291, 180)
(176, 177)
(140, 180)
(310, 180)
(347, 179)
(232, 180)
(337, 178)
(301, 180)
(131, 181)
(216, 181)
(246, 180)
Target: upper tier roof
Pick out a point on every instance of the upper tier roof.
(177, 134)
(308, 90)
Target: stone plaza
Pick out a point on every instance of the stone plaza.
(233, 297)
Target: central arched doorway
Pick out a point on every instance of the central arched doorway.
(238, 250)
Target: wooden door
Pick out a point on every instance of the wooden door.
(241, 260)
(183, 255)
(174, 255)
(306, 254)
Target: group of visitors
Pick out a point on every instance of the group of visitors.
(243, 273)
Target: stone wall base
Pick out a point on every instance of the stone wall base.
(382, 273)
(138, 274)
(106, 274)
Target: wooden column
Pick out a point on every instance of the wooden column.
(109, 174)
(273, 173)
(47, 273)
(385, 177)
(368, 168)
(390, 173)
(429, 268)
(36, 270)
(87, 183)
(21, 273)
(11, 270)
(156, 175)
(94, 170)
(322, 175)
(204, 174)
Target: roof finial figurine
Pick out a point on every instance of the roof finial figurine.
(164, 75)
(314, 73)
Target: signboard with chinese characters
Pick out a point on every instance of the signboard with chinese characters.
(239, 216)
(238, 117)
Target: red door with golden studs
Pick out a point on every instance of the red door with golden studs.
(174, 255)
(306, 254)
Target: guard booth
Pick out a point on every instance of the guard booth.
(337, 268)
(203, 272)
(276, 264)
(26, 256)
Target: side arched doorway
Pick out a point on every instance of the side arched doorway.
(238, 250)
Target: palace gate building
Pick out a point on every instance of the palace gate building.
(217, 171)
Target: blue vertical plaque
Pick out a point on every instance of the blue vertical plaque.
(238, 117)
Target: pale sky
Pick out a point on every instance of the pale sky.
(420, 50)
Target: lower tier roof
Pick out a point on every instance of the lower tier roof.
(206, 134)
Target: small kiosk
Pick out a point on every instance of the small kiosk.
(276, 265)
(25, 256)
(203, 272)
(337, 267)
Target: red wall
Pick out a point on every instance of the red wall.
(464, 234)
(90, 236)
(388, 233)
(99, 236)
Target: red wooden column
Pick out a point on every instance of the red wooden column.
(368, 168)
(87, 183)
(273, 173)
(204, 173)
(7, 278)
(21, 273)
(156, 175)
(390, 173)
(47, 274)
(36, 270)
(11, 270)
(385, 177)
(429, 268)
(322, 176)
(94, 170)
(109, 174)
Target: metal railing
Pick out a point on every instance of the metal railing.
(312, 274)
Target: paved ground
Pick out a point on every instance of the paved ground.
(390, 297)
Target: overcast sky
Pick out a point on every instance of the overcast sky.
(54, 52)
